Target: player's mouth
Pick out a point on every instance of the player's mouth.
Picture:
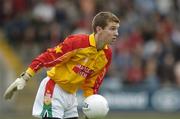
(114, 39)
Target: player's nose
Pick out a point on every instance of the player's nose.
(116, 33)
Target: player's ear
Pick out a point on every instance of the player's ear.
(98, 29)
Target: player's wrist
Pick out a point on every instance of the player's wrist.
(25, 76)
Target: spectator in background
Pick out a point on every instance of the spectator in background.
(177, 73)
(151, 80)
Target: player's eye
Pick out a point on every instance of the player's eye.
(113, 28)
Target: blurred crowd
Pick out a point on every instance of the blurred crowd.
(148, 49)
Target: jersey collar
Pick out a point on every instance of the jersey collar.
(92, 41)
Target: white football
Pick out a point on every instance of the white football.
(95, 106)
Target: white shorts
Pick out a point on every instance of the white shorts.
(52, 101)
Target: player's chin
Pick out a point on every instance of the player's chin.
(113, 42)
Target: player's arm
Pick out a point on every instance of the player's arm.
(91, 86)
(50, 58)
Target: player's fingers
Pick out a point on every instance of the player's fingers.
(9, 92)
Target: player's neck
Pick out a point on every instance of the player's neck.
(99, 43)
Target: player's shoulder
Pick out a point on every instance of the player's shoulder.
(108, 51)
(78, 40)
(79, 36)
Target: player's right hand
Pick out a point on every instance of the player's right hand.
(18, 84)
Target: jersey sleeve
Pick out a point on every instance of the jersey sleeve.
(91, 86)
(56, 55)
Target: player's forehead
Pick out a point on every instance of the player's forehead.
(112, 24)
